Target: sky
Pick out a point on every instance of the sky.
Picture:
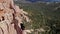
(44, 0)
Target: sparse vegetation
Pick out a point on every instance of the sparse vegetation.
(44, 16)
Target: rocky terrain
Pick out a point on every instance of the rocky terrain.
(11, 18)
(44, 18)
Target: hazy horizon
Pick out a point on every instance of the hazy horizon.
(44, 0)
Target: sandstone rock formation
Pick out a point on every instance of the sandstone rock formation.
(11, 17)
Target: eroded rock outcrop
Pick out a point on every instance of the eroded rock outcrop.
(11, 17)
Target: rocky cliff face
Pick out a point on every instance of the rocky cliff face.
(11, 17)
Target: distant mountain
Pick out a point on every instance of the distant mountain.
(44, 0)
(29, 1)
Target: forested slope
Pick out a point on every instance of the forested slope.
(43, 15)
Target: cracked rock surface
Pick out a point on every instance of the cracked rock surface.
(11, 16)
